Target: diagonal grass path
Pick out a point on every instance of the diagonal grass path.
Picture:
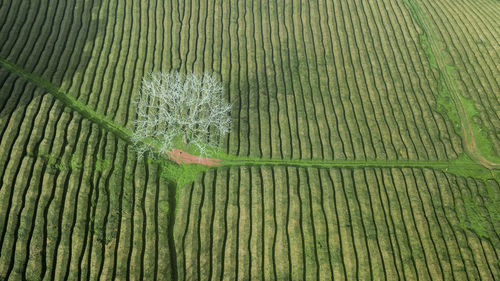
(69, 101)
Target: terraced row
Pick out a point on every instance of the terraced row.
(99, 53)
(81, 208)
(309, 224)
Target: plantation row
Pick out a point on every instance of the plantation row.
(88, 56)
(309, 224)
(465, 29)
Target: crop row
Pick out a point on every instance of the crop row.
(76, 212)
(308, 224)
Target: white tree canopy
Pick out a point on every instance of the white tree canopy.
(172, 106)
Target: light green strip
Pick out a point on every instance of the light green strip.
(475, 143)
(462, 166)
(106, 123)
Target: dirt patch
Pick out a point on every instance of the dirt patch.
(182, 157)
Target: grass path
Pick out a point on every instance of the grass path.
(469, 139)
(230, 160)
(346, 163)
(69, 101)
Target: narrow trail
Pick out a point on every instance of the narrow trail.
(468, 133)
(180, 157)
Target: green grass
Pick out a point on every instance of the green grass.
(462, 166)
(483, 143)
(281, 193)
(424, 41)
(74, 163)
(192, 149)
(449, 102)
(181, 175)
(53, 162)
(481, 217)
(474, 219)
(102, 164)
(472, 169)
(448, 96)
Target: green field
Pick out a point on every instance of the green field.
(365, 141)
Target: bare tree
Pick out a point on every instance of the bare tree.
(172, 106)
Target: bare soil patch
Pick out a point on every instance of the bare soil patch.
(181, 157)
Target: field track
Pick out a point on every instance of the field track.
(472, 47)
(336, 165)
